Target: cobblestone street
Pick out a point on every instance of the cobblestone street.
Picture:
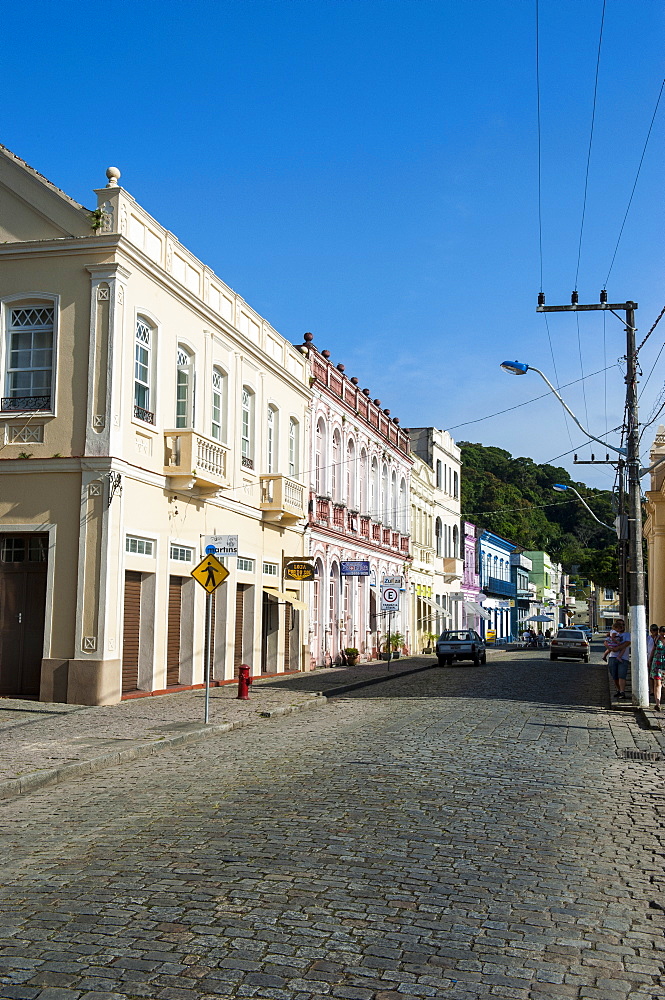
(458, 833)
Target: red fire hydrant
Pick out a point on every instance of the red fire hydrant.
(244, 680)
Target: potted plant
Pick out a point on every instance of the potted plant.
(429, 637)
(392, 646)
(352, 655)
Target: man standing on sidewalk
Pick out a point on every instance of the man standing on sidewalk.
(619, 659)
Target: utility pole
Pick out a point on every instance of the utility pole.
(638, 623)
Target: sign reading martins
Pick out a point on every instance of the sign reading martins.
(225, 545)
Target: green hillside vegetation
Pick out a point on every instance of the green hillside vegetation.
(513, 497)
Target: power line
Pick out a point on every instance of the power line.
(657, 321)
(639, 167)
(489, 416)
(588, 159)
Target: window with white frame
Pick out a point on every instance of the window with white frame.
(270, 569)
(351, 474)
(218, 416)
(335, 471)
(143, 362)
(271, 440)
(294, 447)
(181, 553)
(184, 405)
(138, 546)
(247, 428)
(245, 565)
(29, 369)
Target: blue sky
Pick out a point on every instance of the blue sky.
(369, 171)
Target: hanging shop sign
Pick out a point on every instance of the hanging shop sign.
(354, 567)
(300, 570)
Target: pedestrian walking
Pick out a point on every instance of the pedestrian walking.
(651, 642)
(619, 657)
(657, 665)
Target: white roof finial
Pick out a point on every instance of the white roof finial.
(113, 174)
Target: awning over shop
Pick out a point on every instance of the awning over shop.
(476, 609)
(431, 604)
(282, 595)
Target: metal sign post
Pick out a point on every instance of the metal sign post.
(390, 603)
(209, 574)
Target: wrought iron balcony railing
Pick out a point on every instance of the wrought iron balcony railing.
(25, 403)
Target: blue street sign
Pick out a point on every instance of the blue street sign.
(354, 567)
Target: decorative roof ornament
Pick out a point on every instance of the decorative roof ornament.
(113, 175)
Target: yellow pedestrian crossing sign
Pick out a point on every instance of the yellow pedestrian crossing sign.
(210, 573)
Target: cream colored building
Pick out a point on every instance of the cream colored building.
(654, 532)
(438, 604)
(145, 405)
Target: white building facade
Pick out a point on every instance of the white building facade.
(436, 449)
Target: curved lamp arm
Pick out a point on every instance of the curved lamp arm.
(561, 488)
(515, 368)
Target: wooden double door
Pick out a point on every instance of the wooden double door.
(23, 566)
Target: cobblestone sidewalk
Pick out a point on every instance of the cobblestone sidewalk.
(41, 744)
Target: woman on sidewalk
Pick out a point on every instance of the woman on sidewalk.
(657, 665)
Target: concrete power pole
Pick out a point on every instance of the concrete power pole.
(638, 621)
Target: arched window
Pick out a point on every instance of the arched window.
(385, 503)
(184, 402)
(336, 472)
(455, 484)
(392, 513)
(143, 371)
(351, 474)
(403, 508)
(455, 542)
(247, 428)
(363, 481)
(271, 439)
(219, 406)
(319, 457)
(496, 567)
(437, 534)
(294, 446)
(374, 507)
(438, 474)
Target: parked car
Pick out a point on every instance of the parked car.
(464, 644)
(571, 643)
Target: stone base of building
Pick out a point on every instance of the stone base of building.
(81, 682)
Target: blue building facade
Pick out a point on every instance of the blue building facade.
(497, 583)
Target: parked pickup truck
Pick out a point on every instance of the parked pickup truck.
(464, 644)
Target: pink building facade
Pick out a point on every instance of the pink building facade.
(471, 592)
(359, 512)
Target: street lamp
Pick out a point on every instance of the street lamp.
(562, 488)
(520, 368)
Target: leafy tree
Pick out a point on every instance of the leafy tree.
(513, 497)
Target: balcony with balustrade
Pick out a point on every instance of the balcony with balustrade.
(282, 498)
(499, 588)
(453, 568)
(194, 460)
